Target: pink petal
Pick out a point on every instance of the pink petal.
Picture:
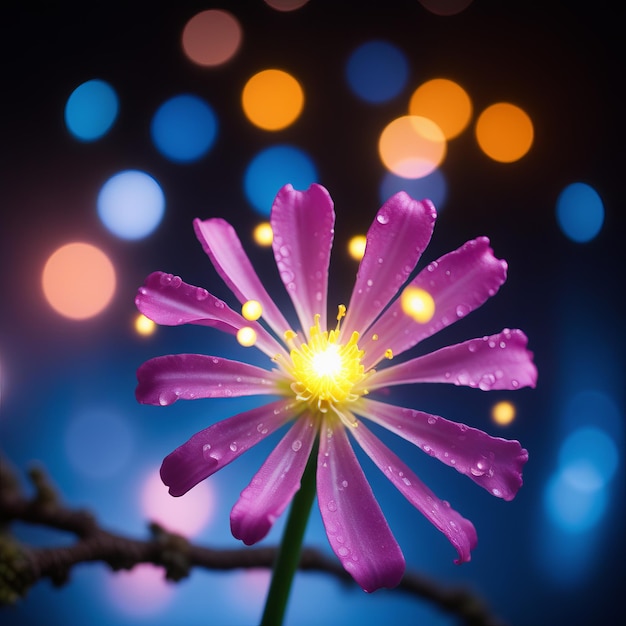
(356, 528)
(165, 379)
(216, 446)
(491, 462)
(395, 241)
(302, 223)
(458, 282)
(500, 361)
(169, 301)
(221, 243)
(459, 531)
(274, 485)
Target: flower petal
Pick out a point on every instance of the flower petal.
(165, 379)
(302, 223)
(357, 530)
(221, 243)
(275, 484)
(216, 446)
(458, 283)
(459, 531)
(499, 361)
(395, 241)
(169, 301)
(491, 462)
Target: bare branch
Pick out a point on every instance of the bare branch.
(22, 566)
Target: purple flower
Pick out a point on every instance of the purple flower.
(323, 375)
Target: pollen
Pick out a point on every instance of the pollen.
(325, 371)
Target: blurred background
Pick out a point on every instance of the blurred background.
(124, 121)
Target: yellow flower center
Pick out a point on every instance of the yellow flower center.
(326, 372)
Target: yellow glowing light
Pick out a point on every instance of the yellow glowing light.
(78, 280)
(328, 362)
(444, 102)
(356, 247)
(144, 325)
(503, 412)
(412, 146)
(263, 234)
(246, 336)
(417, 304)
(326, 372)
(212, 37)
(272, 99)
(251, 310)
(504, 132)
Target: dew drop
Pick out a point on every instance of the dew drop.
(370, 282)
(343, 551)
(462, 310)
(233, 447)
(201, 294)
(219, 304)
(331, 506)
(496, 492)
(176, 282)
(514, 383)
(382, 218)
(432, 420)
(296, 445)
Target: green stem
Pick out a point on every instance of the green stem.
(288, 556)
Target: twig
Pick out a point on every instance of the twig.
(22, 566)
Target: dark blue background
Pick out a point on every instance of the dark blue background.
(557, 61)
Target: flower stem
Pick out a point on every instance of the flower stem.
(288, 556)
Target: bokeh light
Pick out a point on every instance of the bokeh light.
(272, 99)
(212, 37)
(187, 515)
(503, 412)
(418, 304)
(246, 336)
(588, 458)
(141, 592)
(580, 212)
(412, 146)
(444, 102)
(184, 128)
(377, 71)
(273, 168)
(445, 7)
(78, 280)
(432, 186)
(91, 110)
(571, 508)
(263, 234)
(356, 246)
(144, 325)
(286, 5)
(131, 204)
(504, 132)
(98, 443)
(251, 310)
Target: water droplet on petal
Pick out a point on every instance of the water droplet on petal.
(332, 506)
(296, 445)
(382, 218)
(432, 420)
(233, 447)
(201, 294)
(462, 310)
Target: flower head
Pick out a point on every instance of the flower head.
(323, 376)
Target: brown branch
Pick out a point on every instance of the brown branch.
(22, 566)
